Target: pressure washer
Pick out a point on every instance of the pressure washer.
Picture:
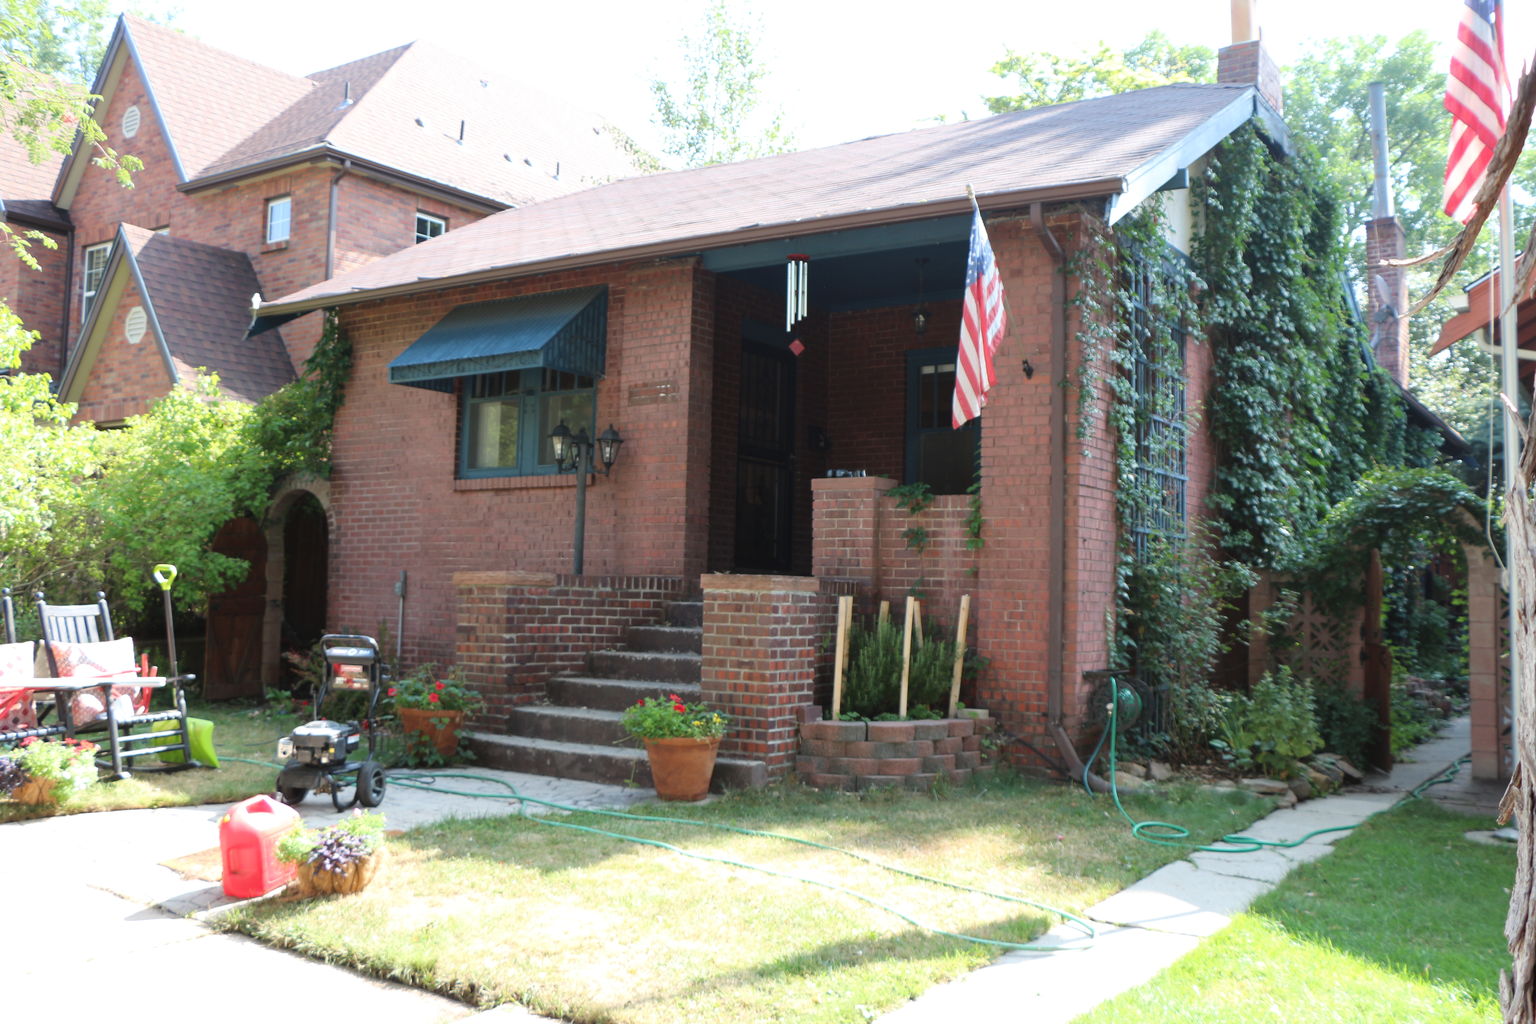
(316, 755)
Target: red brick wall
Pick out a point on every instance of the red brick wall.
(398, 504)
(762, 646)
(860, 537)
(517, 630)
(37, 296)
(125, 379)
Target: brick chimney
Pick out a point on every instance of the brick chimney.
(1245, 62)
(1386, 288)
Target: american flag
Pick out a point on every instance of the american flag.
(981, 326)
(1475, 95)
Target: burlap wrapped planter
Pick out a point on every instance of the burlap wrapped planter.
(908, 755)
(354, 878)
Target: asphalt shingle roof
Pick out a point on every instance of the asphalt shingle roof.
(201, 297)
(225, 114)
(1091, 146)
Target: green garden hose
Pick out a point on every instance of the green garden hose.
(1163, 833)
(427, 781)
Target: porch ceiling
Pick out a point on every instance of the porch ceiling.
(866, 268)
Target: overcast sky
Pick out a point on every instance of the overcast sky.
(840, 69)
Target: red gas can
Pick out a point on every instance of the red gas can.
(248, 835)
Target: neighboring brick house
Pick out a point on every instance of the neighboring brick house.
(267, 182)
(657, 305)
(36, 296)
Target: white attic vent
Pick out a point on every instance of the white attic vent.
(130, 122)
(135, 324)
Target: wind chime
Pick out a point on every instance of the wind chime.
(796, 295)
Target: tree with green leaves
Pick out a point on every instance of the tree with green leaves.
(713, 117)
(1042, 78)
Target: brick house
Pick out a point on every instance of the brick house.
(267, 182)
(756, 458)
(256, 181)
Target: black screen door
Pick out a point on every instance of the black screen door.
(765, 459)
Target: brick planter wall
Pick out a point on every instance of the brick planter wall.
(909, 755)
(518, 629)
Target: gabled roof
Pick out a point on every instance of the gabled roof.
(26, 188)
(196, 299)
(1118, 148)
(399, 111)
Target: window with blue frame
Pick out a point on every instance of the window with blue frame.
(508, 417)
(937, 454)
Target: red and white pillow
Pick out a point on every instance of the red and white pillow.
(104, 658)
(16, 710)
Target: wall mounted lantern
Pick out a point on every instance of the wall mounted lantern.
(576, 452)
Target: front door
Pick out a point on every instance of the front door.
(765, 459)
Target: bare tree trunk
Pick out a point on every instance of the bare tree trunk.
(1517, 986)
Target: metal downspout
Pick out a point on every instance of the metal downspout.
(330, 225)
(1056, 586)
(69, 296)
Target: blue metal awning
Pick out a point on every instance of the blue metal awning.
(565, 331)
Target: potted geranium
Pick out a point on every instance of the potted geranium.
(340, 858)
(681, 741)
(431, 705)
(38, 771)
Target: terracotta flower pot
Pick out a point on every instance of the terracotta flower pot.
(681, 766)
(439, 728)
(353, 878)
(35, 791)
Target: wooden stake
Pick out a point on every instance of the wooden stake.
(844, 618)
(885, 612)
(906, 658)
(917, 613)
(954, 686)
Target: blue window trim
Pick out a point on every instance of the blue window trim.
(531, 393)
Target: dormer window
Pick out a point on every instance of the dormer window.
(279, 216)
(428, 226)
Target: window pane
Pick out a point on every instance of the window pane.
(428, 226)
(575, 410)
(493, 433)
(277, 219)
(95, 269)
(946, 459)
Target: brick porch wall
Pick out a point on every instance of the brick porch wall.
(762, 649)
(1488, 669)
(516, 630)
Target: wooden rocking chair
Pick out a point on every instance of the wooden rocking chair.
(79, 642)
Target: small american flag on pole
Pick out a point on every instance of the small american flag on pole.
(1475, 94)
(982, 324)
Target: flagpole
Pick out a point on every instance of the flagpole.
(1509, 342)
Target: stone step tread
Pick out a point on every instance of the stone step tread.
(676, 657)
(622, 753)
(690, 691)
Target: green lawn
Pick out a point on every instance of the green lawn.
(1403, 923)
(241, 732)
(591, 928)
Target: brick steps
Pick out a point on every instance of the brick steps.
(578, 734)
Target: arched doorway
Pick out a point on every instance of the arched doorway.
(298, 531)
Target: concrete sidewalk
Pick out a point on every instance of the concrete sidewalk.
(1150, 925)
(144, 943)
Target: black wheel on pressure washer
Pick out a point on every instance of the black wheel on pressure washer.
(292, 795)
(370, 784)
(343, 795)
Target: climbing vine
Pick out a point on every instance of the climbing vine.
(293, 424)
(1297, 406)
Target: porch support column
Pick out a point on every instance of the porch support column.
(762, 648)
(1487, 672)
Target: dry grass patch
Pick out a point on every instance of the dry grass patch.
(240, 732)
(592, 928)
